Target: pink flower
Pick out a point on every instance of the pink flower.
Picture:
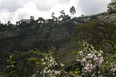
(49, 71)
(57, 72)
(95, 58)
(101, 61)
(86, 68)
(89, 55)
(100, 76)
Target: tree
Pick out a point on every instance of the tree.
(62, 12)
(40, 20)
(100, 34)
(112, 6)
(61, 17)
(9, 23)
(72, 10)
(53, 16)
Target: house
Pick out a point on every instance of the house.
(23, 21)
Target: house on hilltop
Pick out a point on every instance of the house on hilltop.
(23, 21)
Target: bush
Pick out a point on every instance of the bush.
(19, 65)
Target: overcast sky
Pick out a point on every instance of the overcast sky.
(14, 10)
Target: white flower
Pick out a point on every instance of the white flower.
(90, 55)
(51, 60)
(46, 57)
(101, 52)
(87, 64)
(84, 59)
(101, 61)
(49, 71)
(34, 75)
(86, 67)
(95, 58)
(46, 68)
(12, 65)
(49, 65)
(57, 72)
(44, 71)
(42, 59)
(100, 76)
(44, 63)
(113, 69)
(91, 66)
(62, 65)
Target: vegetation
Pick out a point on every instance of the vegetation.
(112, 6)
(72, 10)
(40, 34)
(92, 63)
(7, 27)
(80, 47)
(19, 65)
(100, 34)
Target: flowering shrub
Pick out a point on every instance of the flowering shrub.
(94, 64)
(48, 67)
(90, 63)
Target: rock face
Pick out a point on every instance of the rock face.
(107, 17)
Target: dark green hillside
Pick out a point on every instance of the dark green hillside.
(63, 46)
(28, 36)
(37, 35)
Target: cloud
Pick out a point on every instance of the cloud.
(92, 6)
(15, 10)
(46, 4)
(5, 15)
(11, 5)
(29, 9)
(66, 7)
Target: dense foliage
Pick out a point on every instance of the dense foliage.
(89, 62)
(7, 27)
(112, 6)
(19, 65)
(84, 46)
(102, 35)
(93, 63)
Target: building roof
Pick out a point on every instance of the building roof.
(25, 20)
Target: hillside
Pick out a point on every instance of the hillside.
(25, 39)
(44, 35)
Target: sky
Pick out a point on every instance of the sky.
(14, 10)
